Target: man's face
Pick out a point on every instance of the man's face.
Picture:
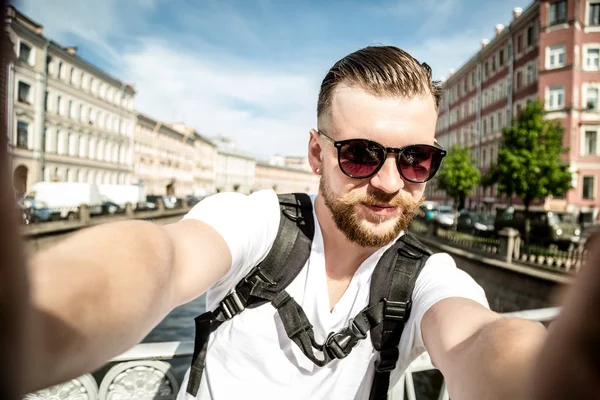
(371, 212)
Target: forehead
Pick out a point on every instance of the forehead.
(392, 121)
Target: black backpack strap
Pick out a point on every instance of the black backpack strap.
(283, 263)
(392, 285)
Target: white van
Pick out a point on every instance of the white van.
(64, 198)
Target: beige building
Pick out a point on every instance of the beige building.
(284, 179)
(290, 161)
(164, 158)
(68, 120)
(234, 170)
(205, 160)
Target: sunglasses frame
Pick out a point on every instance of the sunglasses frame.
(386, 150)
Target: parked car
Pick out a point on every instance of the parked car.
(548, 228)
(444, 216)
(152, 200)
(475, 224)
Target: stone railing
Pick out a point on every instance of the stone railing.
(143, 372)
(84, 219)
(507, 247)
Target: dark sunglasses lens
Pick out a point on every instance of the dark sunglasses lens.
(419, 163)
(360, 158)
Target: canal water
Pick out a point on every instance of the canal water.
(179, 326)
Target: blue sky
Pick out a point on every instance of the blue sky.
(251, 69)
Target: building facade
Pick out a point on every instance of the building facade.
(164, 158)
(68, 120)
(234, 170)
(205, 160)
(549, 51)
(284, 179)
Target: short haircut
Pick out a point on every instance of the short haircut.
(382, 71)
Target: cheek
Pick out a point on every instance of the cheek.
(416, 190)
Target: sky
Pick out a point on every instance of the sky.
(251, 69)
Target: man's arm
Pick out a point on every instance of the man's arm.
(102, 290)
(481, 354)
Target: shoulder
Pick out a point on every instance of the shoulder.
(442, 278)
(247, 223)
(234, 205)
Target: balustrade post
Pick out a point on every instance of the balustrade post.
(128, 210)
(509, 240)
(431, 229)
(160, 205)
(84, 213)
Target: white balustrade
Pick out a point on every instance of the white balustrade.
(140, 374)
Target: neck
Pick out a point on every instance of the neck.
(345, 256)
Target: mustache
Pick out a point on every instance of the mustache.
(378, 197)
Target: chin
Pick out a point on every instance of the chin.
(379, 227)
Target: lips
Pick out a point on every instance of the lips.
(381, 209)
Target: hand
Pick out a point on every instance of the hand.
(569, 363)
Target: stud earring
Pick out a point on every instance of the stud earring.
(318, 171)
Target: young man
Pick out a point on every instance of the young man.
(101, 291)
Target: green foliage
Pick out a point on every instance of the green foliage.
(529, 161)
(458, 175)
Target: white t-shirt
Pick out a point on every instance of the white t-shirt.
(251, 357)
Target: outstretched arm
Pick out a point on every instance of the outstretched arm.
(102, 290)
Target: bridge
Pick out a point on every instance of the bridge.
(518, 280)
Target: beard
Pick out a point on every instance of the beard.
(345, 217)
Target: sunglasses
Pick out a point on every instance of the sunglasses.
(362, 158)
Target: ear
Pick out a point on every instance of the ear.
(315, 156)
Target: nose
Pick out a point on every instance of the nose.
(388, 178)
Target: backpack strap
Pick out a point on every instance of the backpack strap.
(283, 263)
(392, 285)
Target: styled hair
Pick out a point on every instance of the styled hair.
(382, 71)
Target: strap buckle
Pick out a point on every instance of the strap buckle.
(396, 310)
(232, 305)
(340, 344)
(257, 273)
(387, 360)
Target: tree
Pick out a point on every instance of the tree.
(530, 163)
(458, 175)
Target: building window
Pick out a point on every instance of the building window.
(529, 74)
(59, 105)
(519, 43)
(555, 56)
(519, 80)
(60, 70)
(24, 93)
(46, 101)
(592, 59)
(588, 188)
(22, 134)
(594, 18)
(558, 12)
(501, 58)
(530, 36)
(590, 143)
(591, 98)
(72, 76)
(25, 53)
(555, 98)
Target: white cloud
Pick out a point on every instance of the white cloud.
(267, 111)
(446, 53)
